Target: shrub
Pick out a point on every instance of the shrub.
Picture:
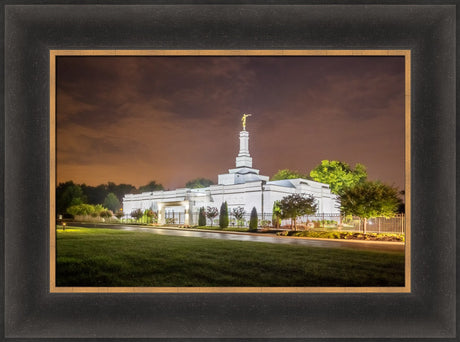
(223, 217)
(265, 223)
(253, 220)
(149, 216)
(276, 216)
(202, 217)
(137, 214)
(81, 210)
(106, 213)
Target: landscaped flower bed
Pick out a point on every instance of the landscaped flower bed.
(344, 235)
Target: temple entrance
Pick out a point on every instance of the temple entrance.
(175, 215)
(174, 212)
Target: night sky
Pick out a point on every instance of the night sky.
(172, 119)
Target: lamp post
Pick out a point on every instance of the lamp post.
(262, 185)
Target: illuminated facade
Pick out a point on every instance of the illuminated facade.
(242, 186)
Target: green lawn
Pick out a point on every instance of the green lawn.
(108, 257)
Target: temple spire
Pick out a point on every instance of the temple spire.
(244, 158)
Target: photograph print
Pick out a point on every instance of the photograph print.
(223, 171)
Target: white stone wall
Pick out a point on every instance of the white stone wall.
(247, 195)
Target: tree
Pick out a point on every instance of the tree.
(223, 217)
(137, 214)
(338, 175)
(287, 174)
(80, 210)
(369, 199)
(202, 217)
(199, 183)
(68, 194)
(120, 190)
(211, 212)
(276, 216)
(149, 215)
(98, 209)
(111, 202)
(253, 220)
(152, 186)
(296, 205)
(238, 213)
(94, 194)
(97, 194)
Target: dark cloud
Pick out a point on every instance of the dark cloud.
(134, 119)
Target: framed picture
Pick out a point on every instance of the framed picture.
(39, 37)
(95, 93)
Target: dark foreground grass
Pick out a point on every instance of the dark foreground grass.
(106, 257)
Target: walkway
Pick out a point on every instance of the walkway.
(254, 237)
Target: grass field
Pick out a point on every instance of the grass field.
(107, 257)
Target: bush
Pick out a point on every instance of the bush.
(253, 220)
(223, 217)
(169, 220)
(349, 235)
(202, 217)
(265, 223)
(81, 210)
(106, 213)
(137, 214)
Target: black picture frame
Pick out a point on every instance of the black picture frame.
(31, 29)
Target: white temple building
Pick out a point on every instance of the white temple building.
(242, 186)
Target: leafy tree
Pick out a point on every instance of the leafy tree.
(253, 220)
(276, 216)
(111, 202)
(199, 183)
(137, 214)
(120, 190)
(202, 217)
(211, 212)
(68, 194)
(149, 215)
(94, 194)
(80, 210)
(152, 186)
(223, 217)
(296, 205)
(98, 209)
(338, 175)
(238, 213)
(287, 174)
(369, 199)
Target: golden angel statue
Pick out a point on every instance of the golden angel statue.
(243, 120)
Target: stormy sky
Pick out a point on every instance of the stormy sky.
(172, 119)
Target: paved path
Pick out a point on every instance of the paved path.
(255, 237)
